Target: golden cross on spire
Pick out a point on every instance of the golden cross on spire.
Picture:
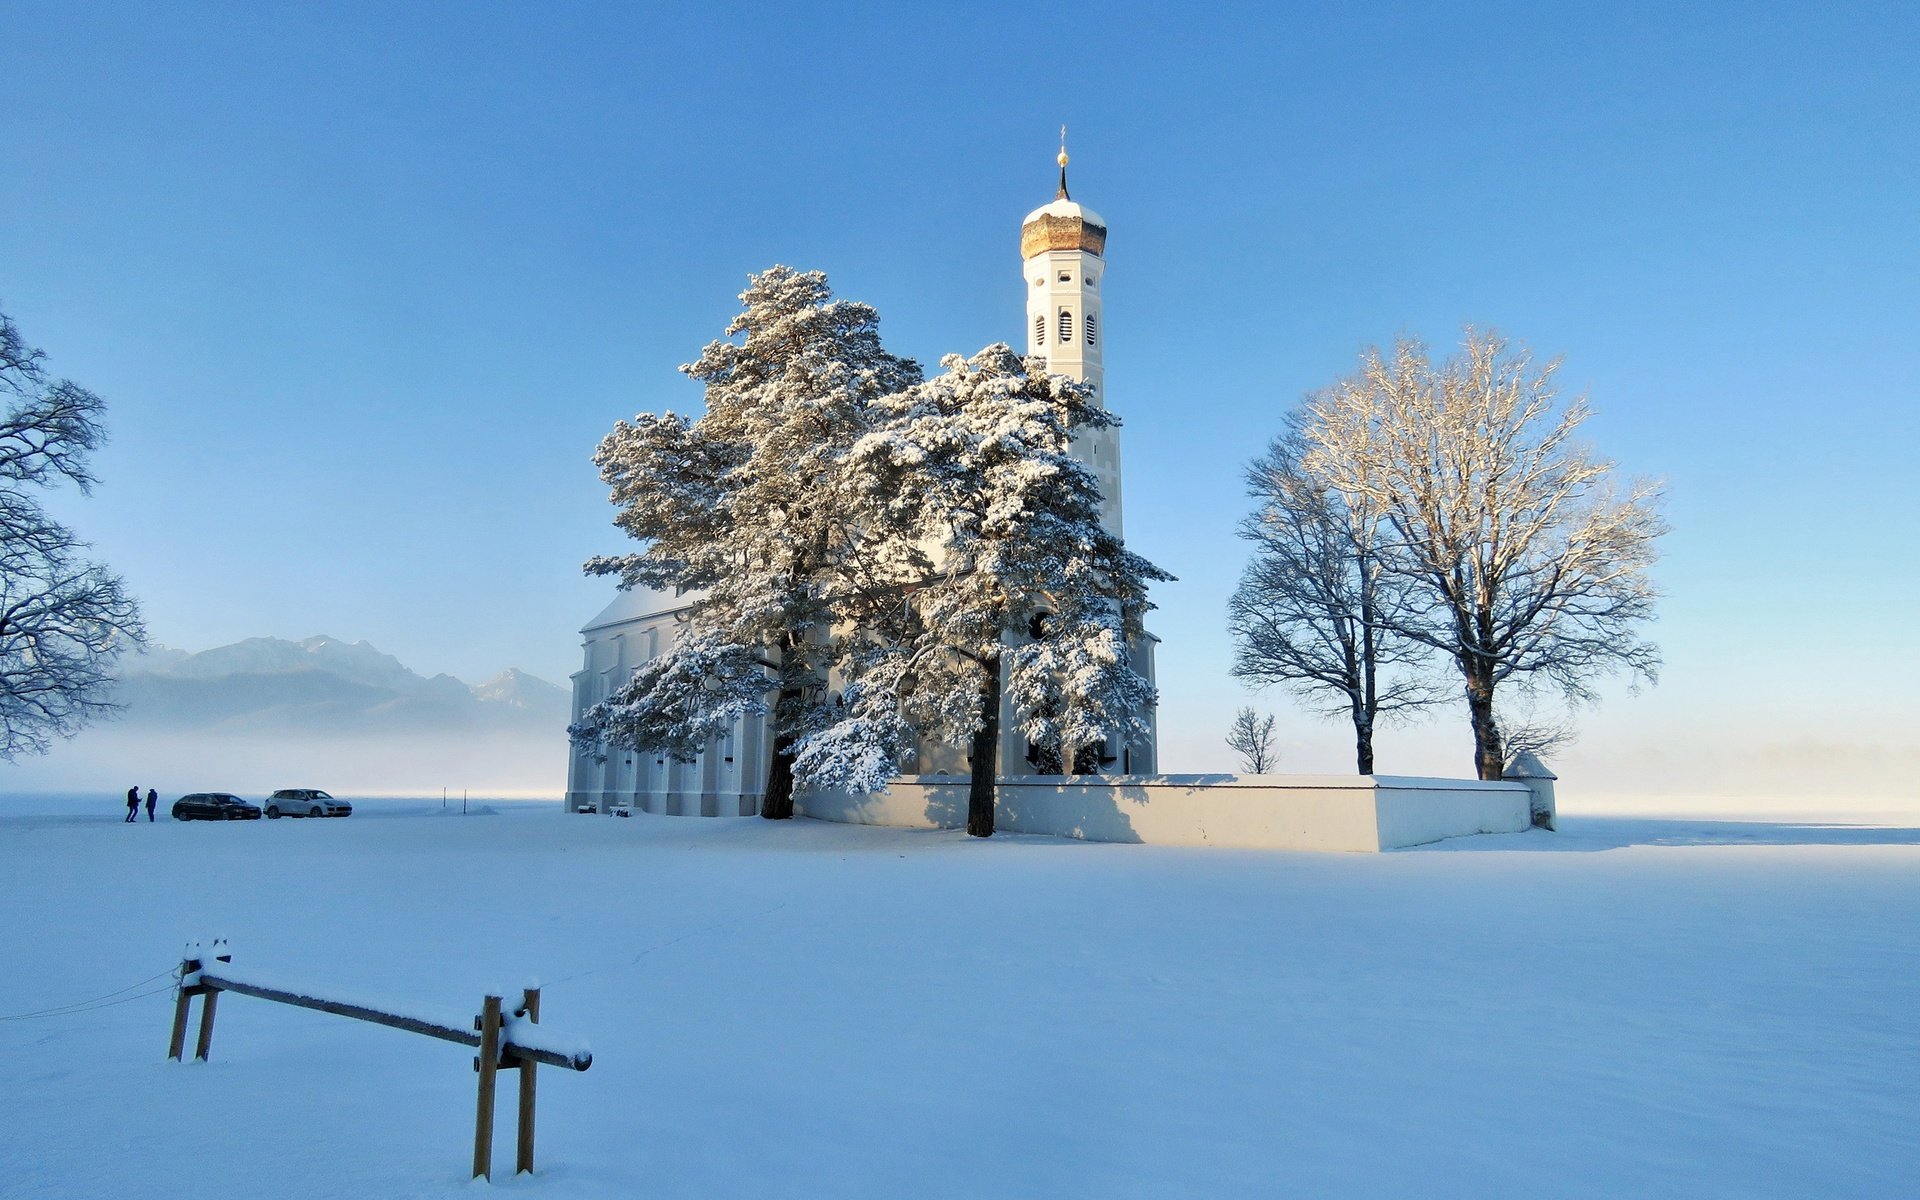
(1063, 165)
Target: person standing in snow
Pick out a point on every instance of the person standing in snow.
(153, 798)
(133, 804)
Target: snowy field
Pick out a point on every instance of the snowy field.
(1700, 1007)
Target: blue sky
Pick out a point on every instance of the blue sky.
(364, 284)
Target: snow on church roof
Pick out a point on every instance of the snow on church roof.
(1063, 224)
(1066, 208)
(634, 604)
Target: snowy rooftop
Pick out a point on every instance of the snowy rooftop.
(636, 603)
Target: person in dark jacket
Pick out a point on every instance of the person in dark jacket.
(133, 804)
(153, 798)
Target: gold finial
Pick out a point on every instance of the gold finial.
(1062, 195)
(1063, 145)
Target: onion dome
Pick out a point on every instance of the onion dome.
(1064, 224)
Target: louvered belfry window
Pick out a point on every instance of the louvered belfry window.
(1066, 325)
(1093, 329)
(1040, 331)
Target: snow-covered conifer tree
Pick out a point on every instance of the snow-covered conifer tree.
(744, 505)
(974, 471)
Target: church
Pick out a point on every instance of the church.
(1063, 273)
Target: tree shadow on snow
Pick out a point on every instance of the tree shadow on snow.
(1591, 834)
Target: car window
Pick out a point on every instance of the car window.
(321, 796)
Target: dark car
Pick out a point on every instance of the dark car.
(306, 802)
(214, 806)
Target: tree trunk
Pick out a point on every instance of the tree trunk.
(1369, 700)
(984, 764)
(1489, 756)
(777, 803)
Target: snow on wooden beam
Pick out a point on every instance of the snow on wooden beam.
(519, 1040)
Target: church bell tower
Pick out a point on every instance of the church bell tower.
(1061, 247)
(1063, 266)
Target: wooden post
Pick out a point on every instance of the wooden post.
(207, 999)
(489, 1033)
(182, 1001)
(523, 1155)
(487, 1064)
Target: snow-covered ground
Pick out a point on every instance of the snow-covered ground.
(1701, 1006)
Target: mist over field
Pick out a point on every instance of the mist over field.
(266, 713)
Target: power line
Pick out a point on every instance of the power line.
(106, 1001)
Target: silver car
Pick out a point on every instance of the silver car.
(306, 802)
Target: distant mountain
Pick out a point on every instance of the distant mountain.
(516, 687)
(324, 685)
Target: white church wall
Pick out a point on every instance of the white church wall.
(1273, 812)
(636, 627)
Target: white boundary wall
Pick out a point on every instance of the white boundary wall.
(1275, 812)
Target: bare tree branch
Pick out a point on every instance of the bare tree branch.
(63, 621)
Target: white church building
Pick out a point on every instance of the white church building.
(1063, 272)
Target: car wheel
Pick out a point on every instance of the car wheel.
(273, 812)
(313, 812)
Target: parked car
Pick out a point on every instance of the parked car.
(306, 802)
(214, 806)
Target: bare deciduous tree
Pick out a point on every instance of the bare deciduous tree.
(1251, 737)
(1315, 606)
(1531, 557)
(63, 620)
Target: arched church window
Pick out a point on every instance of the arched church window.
(1066, 277)
(1093, 329)
(1066, 325)
(1040, 331)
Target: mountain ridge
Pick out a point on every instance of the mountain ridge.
(323, 684)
